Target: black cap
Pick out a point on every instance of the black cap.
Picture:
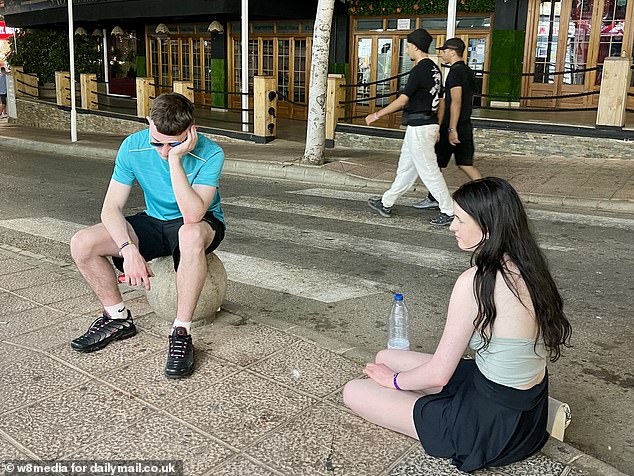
(455, 44)
(421, 39)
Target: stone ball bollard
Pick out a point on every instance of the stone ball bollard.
(162, 295)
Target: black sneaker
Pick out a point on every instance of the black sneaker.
(103, 331)
(180, 357)
(442, 219)
(377, 205)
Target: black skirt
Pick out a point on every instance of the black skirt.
(479, 423)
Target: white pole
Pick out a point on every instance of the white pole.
(71, 46)
(105, 60)
(244, 78)
(451, 18)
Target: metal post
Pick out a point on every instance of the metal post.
(105, 60)
(451, 18)
(245, 64)
(71, 47)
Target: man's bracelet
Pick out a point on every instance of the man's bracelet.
(376, 116)
(395, 382)
(123, 245)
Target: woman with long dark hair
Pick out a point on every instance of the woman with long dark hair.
(491, 410)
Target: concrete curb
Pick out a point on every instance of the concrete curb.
(312, 174)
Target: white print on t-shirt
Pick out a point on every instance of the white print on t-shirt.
(435, 90)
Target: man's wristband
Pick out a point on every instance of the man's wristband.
(123, 245)
(451, 129)
(376, 116)
(395, 382)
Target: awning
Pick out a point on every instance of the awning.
(27, 13)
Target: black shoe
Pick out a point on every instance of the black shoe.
(377, 205)
(180, 357)
(103, 331)
(442, 219)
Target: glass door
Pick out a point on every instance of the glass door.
(546, 48)
(476, 59)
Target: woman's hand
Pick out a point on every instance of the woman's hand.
(381, 374)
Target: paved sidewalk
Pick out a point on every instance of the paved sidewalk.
(606, 184)
(264, 399)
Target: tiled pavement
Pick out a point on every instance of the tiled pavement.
(262, 401)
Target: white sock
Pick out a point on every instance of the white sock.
(118, 311)
(186, 325)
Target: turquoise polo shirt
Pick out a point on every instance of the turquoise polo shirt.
(138, 160)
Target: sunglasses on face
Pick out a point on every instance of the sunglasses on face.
(158, 145)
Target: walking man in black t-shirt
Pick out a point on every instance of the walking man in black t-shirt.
(420, 100)
(456, 132)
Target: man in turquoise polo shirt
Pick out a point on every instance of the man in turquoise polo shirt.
(179, 172)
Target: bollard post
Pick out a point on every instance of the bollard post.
(145, 92)
(88, 83)
(186, 88)
(615, 82)
(264, 108)
(335, 94)
(62, 88)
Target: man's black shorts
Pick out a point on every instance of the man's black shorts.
(160, 237)
(3, 98)
(463, 152)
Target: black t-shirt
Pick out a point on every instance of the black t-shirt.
(460, 75)
(423, 88)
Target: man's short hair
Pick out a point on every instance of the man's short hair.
(172, 113)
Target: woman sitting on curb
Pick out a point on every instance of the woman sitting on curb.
(493, 410)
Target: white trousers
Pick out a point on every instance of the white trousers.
(418, 159)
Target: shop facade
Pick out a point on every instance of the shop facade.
(574, 37)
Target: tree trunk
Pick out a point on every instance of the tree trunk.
(316, 126)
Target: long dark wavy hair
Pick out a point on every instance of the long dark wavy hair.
(496, 207)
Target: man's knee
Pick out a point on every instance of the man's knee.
(193, 237)
(81, 244)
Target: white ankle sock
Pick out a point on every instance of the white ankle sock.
(118, 311)
(186, 325)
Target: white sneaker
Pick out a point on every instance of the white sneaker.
(426, 204)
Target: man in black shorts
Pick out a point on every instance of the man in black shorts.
(456, 131)
(179, 172)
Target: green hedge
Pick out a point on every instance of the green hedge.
(415, 7)
(42, 52)
(507, 56)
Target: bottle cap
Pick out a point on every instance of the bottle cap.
(398, 297)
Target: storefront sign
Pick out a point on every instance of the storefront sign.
(403, 24)
(6, 32)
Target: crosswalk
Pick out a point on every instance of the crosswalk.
(308, 281)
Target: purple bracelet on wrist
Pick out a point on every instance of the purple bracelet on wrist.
(395, 382)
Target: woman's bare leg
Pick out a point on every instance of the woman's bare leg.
(382, 406)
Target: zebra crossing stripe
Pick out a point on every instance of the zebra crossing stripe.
(262, 273)
(545, 215)
(408, 254)
(365, 217)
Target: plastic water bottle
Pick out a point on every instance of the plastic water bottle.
(398, 332)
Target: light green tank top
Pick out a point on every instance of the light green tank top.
(509, 362)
